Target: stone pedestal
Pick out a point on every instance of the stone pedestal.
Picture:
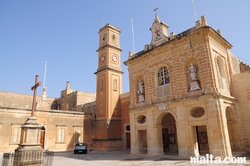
(141, 98)
(29, 151)
(194, 85)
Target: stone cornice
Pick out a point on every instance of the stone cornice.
(108, 45)
(108, 68)
(165, 105)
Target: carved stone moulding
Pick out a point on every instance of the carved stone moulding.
(162, 106)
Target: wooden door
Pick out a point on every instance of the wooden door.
(42, 134)
(127, 140)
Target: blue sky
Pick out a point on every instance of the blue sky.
(65, 34)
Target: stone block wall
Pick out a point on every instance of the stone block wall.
(241, 90)
(75, 99)
(125, 123)
(176, 55)
(16, 100)
(51, 120)
(108, 137)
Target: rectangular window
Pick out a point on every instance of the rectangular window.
(61, 135)
(16, 134)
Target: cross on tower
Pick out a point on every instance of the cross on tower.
(155, 10)
(34, 95)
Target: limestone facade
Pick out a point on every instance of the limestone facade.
(187, 112)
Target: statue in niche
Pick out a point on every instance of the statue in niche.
(194, 80)
(192, 71)
(140, 91)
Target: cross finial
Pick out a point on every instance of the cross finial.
(155, 10)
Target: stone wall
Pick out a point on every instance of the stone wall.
(16, 100)
(75, 99)
(235, 64)
(52, 121)
(241, 90)
(125, 124)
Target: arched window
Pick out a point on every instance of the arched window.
(115, 85)
(163, 76)
(163, 82)
(101, 87)
(222, 73)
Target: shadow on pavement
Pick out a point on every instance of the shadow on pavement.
(120, 155)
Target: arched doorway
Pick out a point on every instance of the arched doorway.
(232, 130)
(169, 134)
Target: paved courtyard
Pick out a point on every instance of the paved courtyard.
(123, 158)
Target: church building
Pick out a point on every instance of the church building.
(189, 96)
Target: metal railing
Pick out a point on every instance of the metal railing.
(44, 158)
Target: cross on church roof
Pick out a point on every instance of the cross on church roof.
(155, 10)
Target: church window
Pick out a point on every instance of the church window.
(163, 76)
(197, 112)
(101, 89)
(221, 73)
(163, 82)
(128, 127)
(115, 85)
(141, 119)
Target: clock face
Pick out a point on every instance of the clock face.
(114, 58)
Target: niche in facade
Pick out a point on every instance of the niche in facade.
(197, 112)
(141, 119)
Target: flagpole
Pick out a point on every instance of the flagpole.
(194, 11)
(133, 36)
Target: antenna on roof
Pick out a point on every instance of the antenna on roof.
(44, 76)
(44, 95)
(194, 11)
(133, 35)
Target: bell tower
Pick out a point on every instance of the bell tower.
(108, 89)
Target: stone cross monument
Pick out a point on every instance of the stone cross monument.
(29, 150)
